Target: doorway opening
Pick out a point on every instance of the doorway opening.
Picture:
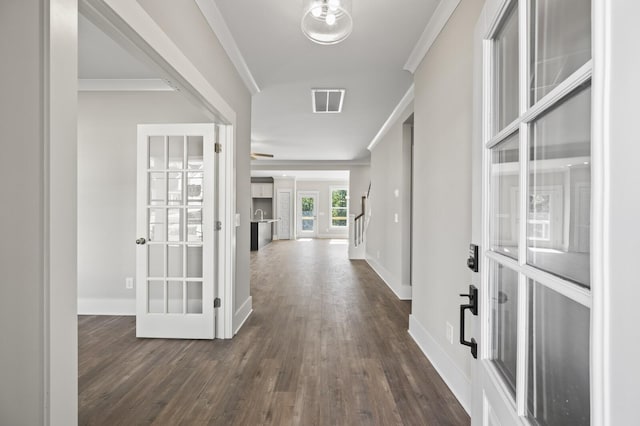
(124, 83)
(300, 205)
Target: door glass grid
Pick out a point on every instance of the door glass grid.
(504, 319)
(544, 342)
(175, 235)
(559, 194)
(505, 194)
(308, 207)
(506, 69)
(558, 364)
(560, 42)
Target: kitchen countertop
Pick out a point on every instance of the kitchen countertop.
(265, 221)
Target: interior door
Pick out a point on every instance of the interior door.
(175, 229)
(307, 214)
(284, 214)
(534, 331)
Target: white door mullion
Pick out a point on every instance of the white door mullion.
(485, 300)
(522, 342)
(523, 299)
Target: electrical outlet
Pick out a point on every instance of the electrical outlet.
(395, 217)
(449, 333)
(378, 254)
(128, 282)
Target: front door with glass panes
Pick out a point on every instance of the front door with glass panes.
(175, 231)
(307, 214)
(534, 361)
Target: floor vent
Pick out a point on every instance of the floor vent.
(327, 100)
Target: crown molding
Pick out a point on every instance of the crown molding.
(219, 26)
(124, 85)
(437, 22)
(395, 115)
(307, 164)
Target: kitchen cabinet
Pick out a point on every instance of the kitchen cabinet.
(261, 190)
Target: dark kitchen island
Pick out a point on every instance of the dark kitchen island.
(261, 233)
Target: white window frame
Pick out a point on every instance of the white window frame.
(338, 188)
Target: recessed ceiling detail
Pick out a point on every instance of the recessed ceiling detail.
(327, 100)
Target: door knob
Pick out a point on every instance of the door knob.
(141, 241)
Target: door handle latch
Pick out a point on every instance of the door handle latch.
(140, 241)
(473, 307)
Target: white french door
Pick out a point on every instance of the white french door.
(535, 297)
(307, 214)
(175, 229)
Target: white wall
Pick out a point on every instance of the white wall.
(107, 144)
(183, 22)
(324, 206)
(21, 257)
(387, 248)
(442, 194)
(38, 323)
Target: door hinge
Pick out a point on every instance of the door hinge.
(217, 302)
(218, 226)
(218, 148)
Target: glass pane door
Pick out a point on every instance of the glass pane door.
(175, 215)
(307, 207)
(174, 246)
(537, 230)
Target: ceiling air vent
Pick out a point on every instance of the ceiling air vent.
(327, 100)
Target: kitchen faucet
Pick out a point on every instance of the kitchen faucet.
(261, 213)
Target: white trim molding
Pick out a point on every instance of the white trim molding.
(402, 291)
(120, 307)
(454, 378)
(219, 26)
(242, 314)
(124, 85)
(395, 115)
(307, 164)
(437, 22)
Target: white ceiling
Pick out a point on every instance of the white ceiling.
(286, 66)
(334, 175)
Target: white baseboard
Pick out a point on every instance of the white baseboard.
(242, 314)
(333, 236)
(401, 290)
(106, 306)
(452, 375)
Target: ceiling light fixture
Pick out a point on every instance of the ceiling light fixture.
(327, 21)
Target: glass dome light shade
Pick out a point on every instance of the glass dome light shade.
(321, 30)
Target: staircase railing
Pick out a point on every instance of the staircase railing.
(358, 225)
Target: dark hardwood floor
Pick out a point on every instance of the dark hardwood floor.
(327, 344)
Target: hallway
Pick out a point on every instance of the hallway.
(327, 344)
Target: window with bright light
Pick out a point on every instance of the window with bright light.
(339, 207)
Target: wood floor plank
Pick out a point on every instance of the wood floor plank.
(327, 344)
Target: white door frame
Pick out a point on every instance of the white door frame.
(291, 209)
(300, 232)
(132, 26)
